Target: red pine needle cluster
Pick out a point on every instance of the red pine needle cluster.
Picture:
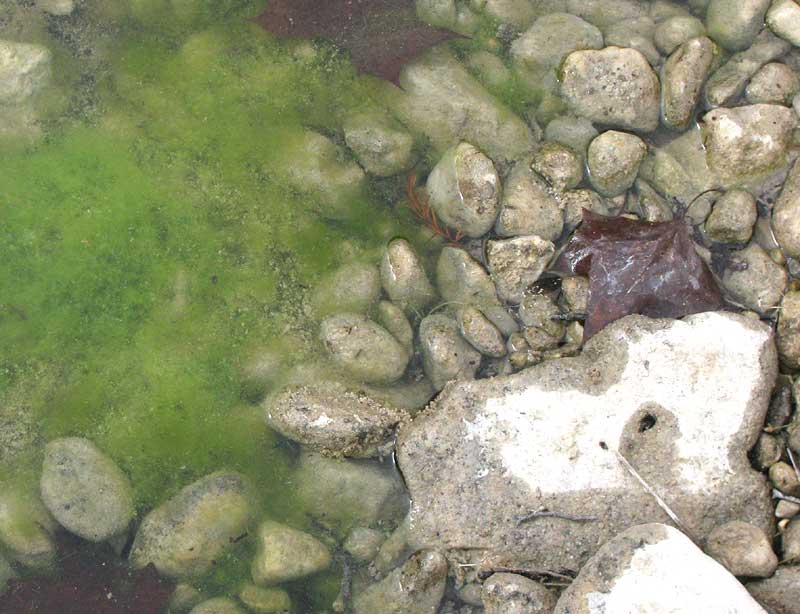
(425, 213)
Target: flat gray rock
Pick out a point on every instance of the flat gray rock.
(682, 401)
(654, 568)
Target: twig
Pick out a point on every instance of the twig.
(545, 513)
(777, 494)
(572, 316)
(794, 464)
(661, 503)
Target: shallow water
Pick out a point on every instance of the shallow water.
(152, 245)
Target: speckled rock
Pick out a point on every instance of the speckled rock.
(779, 594)
(734, 24)
(515, 264)
(788, 334)
(682, 78)
(262, 600)
(480, 333)
(404, 277)
(743, 549)
(286, 554)
(186, 534)
(551, 38)
(786, 214)
(218, 605)
(24, 71)
(542, 331)
(463, 281)
(464, 190)
(654, 568)
(527, 207)
(733, 217)
(85, 490)
(332, 419)
(381, 144)
(559, 165)
(446, 356)
(783, 18)
(366, 351)
(614, 159)
(415, 588)
(392, 318)
(784, 478)
(675, 31)
(508, 593)
(353, 287)
(497, 449)
(774, 83)
(628, 94)
(745, 142)
(754, 280)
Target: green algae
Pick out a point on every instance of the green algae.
(151, 245)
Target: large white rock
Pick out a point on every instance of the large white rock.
(654, 569)
(682, 401)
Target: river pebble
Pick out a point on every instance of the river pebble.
(550, 39)
(753, 279)
(559, 165)
(734, 24)
(614, 159)
(446, 356)
(353, 287)
(515, 264)
(527, 207)
(774, 83)
(480, 333)
(262, 600)
(404, 278)
(743, 549)
(733, 217)
(682, 79)
(380, 143)
(286, 554)
(675, 31)
(218, 605)
(508, 593)
(783, 18)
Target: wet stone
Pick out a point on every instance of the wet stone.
(575, 292)
(734, 24)
(783, 18)
(262, 600)
(790, 542)
(786, 214)
(353, 287)
(550, 39)
(767, 451)
(784, 477)
(515, 264)
(788, 334)
(559, 165)
(363, 543)
(573, 132)
(774, 83)
(446, 356)
(85, 490)
(381, 144)
(218, 605)
(754, 280)
(394, 320)
(636, 33)
(733, 217)
(542, 330)
(286, 554)
(675, 31)
(779, 594)
(480, 333)
(604, 13)
(26, 530)
(499, 449)
(613, 86)
(57, 8)
(654, 567)
(787, 509)
(404, 277)
(24, 71)
(614, 159)
(743, 549)
(508, 593)
(682, 79)
(573, 202)
(527, 207)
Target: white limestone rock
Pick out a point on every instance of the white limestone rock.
(654, 568)
(683, 401)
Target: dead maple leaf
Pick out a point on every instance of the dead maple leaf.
(91, 579)
(381, 35)
(638, 267)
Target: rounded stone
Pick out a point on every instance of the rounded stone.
(392, 318)
(265, 600)
(404, 278)
(560, 166)
(363, 349)
(682, 79)
(528, 207)
(363, 543)
(381, 144)
(551, 38)
(218, 605)
(480, 333)
(446, 356)
(286, 554)
(508, 593)
(614, 159)
(790, 542)
(673, 32)
(743, 549)
(84, 490)
(774, 83)
(464, 190)
(734, 24)
(515, 264)
(353, 287)
(783, 18)
(784, 478)
(733, 217)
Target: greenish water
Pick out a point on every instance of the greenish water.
(151, 243)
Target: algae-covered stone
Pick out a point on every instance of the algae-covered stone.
(26, 530)
(392, 318)
(24, 71)
(446, 356)
(515, 264)
(786, 214)
(333, 419)
(783, 18)
(464, 190)
(265, 600)
(613, 86)
(218, 605)
(613, 161)
(754, 279)
(682, 78)
(551, 38)
(416, 588)
(363, 543)
(85, 490)
(774, 83)
(404, 277)
(366, 351)
(732, 218)
(184, 598)
(287, 554)
(509, 593)
(745, 142)
(527, 207)
(675, 31)
(353, 287)
(381, 145)
(734, 24)
(187, 533)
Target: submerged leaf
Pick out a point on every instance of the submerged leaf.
(638, 267)
(381, 35)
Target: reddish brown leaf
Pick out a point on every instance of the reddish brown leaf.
(381, 35)
(92, 579)
(638, 267)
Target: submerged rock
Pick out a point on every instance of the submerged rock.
(26, 530)
(733, 217)
(753, 279)
(682, 79)
(560, 165)
(265, 600)
(613, 86)
(404, 277)
(786, 214)
(24, 71)
(614, 159)
(734, 24)
(381, 145)
(515, 264)
(85, 490)
(774, 83)
(550, 39)
(676, 31)
(353, 287)
(783, 18)
(334, 419)
(446, 356)
(287, 554)
(508, 593)
(654, 568)
(497, 450)
(528, 208)
(186, 534)
(218, 605)
(415, 588)
(789, 330)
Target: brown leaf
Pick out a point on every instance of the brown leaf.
(638, 267)
(381, 35)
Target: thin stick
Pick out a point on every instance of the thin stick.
(777, 494)
(545, 513)
(661, 503)
(794, 464)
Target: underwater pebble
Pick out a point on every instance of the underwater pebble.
(754, 280)
(774, 83)
(353, 287)
(573, 132)
(404, 278)
(85, 490)
(218, 605)
(613, 161)
(286, 554)
(733, 217)
(790, 542)
(575, 291)
(783, 476)
(380, 143)
(527, 207)
(542, 331)
(363, 349)
(363, 543)
(743, 549)
(24, 71)
(185, 535)
(392, 318)
(480, 333)
(560, 166)
(508, 593)
(675, 31)
(265, 600)
(184, 598)
(573, 202)
(604, 13)
(787, 509)
(682, 78)
(786, 214)
(783, 18)
(464, 190)
(58, 8)
(515, 264)
(26, 530)
(550, 39)
(767, 451)
(446, 356)
(734, 24)
(636, 33)
(788, 332)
